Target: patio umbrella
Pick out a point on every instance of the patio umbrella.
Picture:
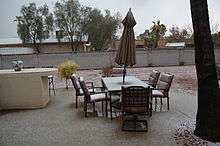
(126, 53)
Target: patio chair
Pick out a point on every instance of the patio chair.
(135, 101)
(162, 89)
(92, 98)
(77, 87)
(51, 84)
(153, 78)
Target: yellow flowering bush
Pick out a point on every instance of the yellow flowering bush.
(67, 68)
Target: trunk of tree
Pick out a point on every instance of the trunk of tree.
(76, 46)
(156, 42)
(208, 112)
(78, 42)
(72, 46)
(36, 46)
(157, 39)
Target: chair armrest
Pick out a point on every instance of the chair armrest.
(98, 92)
(159, 89)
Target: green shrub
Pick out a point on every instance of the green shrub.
(67, 68)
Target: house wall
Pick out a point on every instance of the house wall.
(62, 47)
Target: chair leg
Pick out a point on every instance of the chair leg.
(106, 108)
(93, 105)
(102, 109)
(49, 86)
(122, 121)
(85, 109)
(151, 109)
(76, 101)
(52, 82)
(155, 104)
(54, 92)
(161, 103)
(135, 121)
(168, 103)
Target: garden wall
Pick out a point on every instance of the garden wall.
(96, 60)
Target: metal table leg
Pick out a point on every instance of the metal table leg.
(106, 104)
(110, 103)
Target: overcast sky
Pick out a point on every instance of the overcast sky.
(169, 12)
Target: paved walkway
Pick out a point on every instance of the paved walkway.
(61, 124)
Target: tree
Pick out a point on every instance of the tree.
(159, 31)
(102, 29)
(216, 38)
(178, 35)
(152, 36)
(208, 112)
(34, 24)
(84, 21)
(148, 37)
(68, 19)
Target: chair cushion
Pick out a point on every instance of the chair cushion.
(162, 85)
(80, 91)
(165, 77)
(90, 90)
(78, 84)
(50, 76)
(165, 81)
(157, 93)
(97, 97)
(152, 81)
(155, 74)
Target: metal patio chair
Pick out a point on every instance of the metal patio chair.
(162, 89)
(92, 98)
(135, 102)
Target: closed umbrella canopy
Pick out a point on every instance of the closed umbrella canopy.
(126, 53)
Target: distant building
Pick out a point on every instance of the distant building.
(48, 46)
(138, 43)
(16, 50)
(178, 45)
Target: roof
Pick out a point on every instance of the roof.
(176, 44)
(52, 39)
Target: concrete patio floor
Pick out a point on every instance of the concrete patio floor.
(60, 123)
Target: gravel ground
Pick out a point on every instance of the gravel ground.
(61, 124)
(184, 79)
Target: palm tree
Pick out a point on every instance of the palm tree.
(158, 30)
(208, 112)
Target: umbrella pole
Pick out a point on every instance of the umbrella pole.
(124, 73)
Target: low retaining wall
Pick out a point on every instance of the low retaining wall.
(96, 60)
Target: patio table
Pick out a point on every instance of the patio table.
(25, 89)
(114, 84)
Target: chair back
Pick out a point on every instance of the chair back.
(135, 99)
(75, 83)
(164, 82)
(153, 79)
(86, 93)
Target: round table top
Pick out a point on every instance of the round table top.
(28, 71)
